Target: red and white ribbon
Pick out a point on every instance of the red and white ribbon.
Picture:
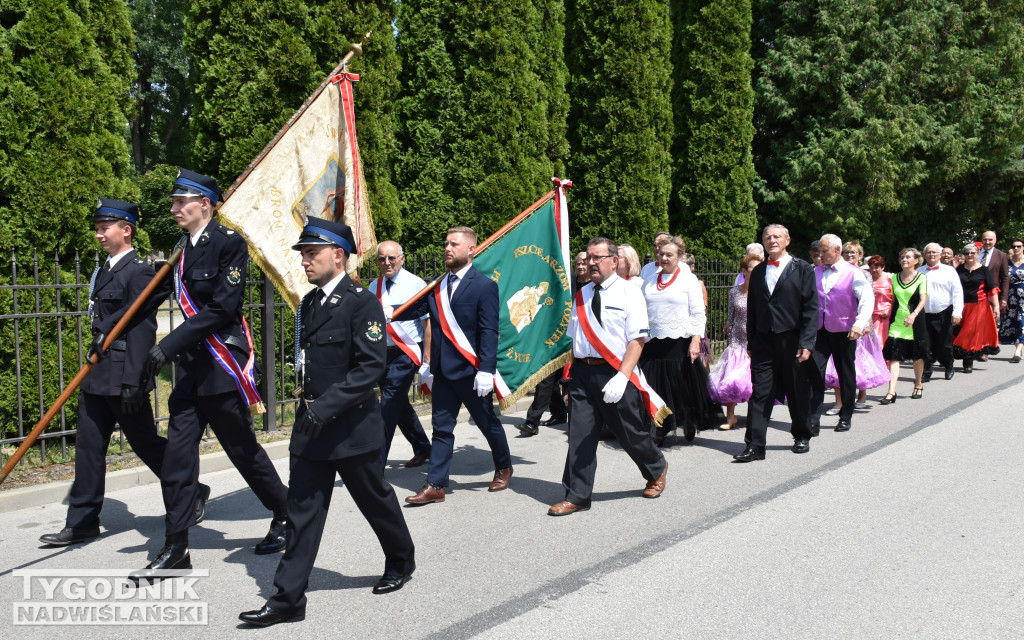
(562, 219)
(600, 339)
(451, 328)
(399, 335)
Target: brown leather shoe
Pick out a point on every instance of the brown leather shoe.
(655, 487)
(417, 460)
(501, 478)
(565, 507)
(427, 495)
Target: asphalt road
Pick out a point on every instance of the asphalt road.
(908, 526)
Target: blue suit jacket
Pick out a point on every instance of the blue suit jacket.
(475, 307)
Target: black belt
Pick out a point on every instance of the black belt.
(236, 341)
(592, 361)
(119, 345)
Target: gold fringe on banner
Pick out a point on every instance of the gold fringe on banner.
(534, 380)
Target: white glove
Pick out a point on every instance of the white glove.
(615, 388)
(388, 312)
(483, 384)
(424, 373)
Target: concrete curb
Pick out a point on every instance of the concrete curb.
(51, 492)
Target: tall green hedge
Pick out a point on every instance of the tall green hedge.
(713, 204)
(620, 119)
(65, 75)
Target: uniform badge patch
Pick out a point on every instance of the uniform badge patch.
(374, 333)
(234, 276)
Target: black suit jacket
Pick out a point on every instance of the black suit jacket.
(475, 307)
(792, 306)
(214, 275)
(115, 290)
(346, 350)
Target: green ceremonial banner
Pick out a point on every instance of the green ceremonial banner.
(535, 299)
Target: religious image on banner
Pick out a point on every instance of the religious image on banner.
(312, 168)
(530, 264)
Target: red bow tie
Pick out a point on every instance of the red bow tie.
(773, 263)
(933, 268)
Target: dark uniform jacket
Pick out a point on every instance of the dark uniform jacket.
(475, 307)
(115, 290)
(214, 275)
(346, 349)
(792, 306)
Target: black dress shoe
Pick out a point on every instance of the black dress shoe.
(949, 373)
(67, 536)
(173, 556)
(267, 616)
(801, 446)
(417, 460)
(844, 425)
(553, 420)
(926, 376)
(276, 538)
(528, 428)
(204, 495)
(394, 580)
(750, 454)
(815, 430)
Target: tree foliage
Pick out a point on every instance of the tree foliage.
(64, 103)
(713, 105)
(482, 116)
(618, 54)
(890, 122)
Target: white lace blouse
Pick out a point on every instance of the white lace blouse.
(677, 311)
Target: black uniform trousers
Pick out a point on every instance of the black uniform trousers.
(773, 368)
(939, 327)
(844, 356)
(228, 416)
(547, 396)
(395, 408)
(310, 486)
(97, 416)
(448, 398)
(588, 412)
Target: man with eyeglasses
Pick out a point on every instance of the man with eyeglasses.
(942, 311)
(999, 264)
(608, 322)
(393, 288)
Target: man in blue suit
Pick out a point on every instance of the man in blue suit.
(463, 312)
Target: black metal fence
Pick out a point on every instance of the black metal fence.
(45, 332)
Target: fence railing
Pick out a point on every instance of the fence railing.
(45, 332)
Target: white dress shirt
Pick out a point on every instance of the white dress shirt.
(405, 285)
(771, 276)
(459, 275)
(944, 289)
(112, 260)
(623, 314)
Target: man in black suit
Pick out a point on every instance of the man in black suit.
(210, 286)
(999, 264)
(461, 374)
(338, 427)
(782, 323)
(116, 391)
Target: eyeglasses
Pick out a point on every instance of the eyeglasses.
(1017, 246)
(850, 253)
(596, 259)
(970, 253)
(388, 258)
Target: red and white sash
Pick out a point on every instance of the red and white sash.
(451, 328)
(399, 335)
(600, 339)
(244, 377)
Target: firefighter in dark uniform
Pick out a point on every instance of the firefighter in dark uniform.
(338, 426)
(214, 351)
(116, 391)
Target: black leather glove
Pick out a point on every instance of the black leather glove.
(132, 398)
(310, 425)
(96, 348)
(155, 361)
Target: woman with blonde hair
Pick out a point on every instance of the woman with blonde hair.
(908, 335)
(629, 265)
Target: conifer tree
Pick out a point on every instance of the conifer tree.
(620, 117)
(65, 76)
(713, 203)
(482, 116)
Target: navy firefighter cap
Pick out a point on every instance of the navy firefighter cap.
(320, 231)
(190, 183)
(108, 210)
